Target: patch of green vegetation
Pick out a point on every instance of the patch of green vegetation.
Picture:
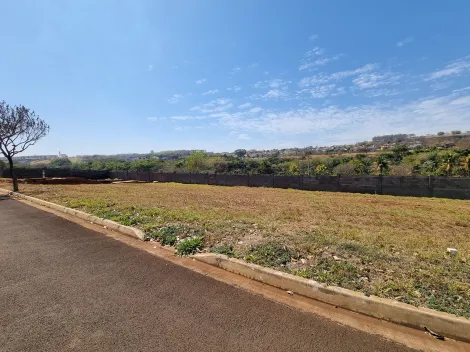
(333, 272)
(189, 245)
(269, 254)
(169, 235)
(223, 249)
(166, 235)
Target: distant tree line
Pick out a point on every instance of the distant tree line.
(400, 161)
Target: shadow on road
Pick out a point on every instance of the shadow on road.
(4, 197)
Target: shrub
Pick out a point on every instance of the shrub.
(166, 235)
(345, 169)
(223, 249)
(189, 246)
(269, 254)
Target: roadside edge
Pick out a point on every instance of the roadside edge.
(382, 308)
(112, 225)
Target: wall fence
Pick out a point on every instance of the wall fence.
(416, 186)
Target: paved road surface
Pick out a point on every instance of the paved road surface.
(67, 288)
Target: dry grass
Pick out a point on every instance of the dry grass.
(383, 245)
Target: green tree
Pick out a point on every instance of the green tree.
(465, 164)
(196, 161)
(440, 133)
(382, 164)
(399, 152)
(60, 163)
(321, 169)
(240, 153)
(450, 159)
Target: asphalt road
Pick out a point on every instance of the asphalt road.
(67, 288)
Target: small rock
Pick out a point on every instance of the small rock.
(303, 261)
(290, 292)
(399, 298)
(105, 227)
(363, 278)
(154, 246)
(463, 260)
(415, 254)
(336, 258)
(240, 242)
(452, 251)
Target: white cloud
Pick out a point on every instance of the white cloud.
(359, 121)
(243, 136)
(272, 83)
(174, 67)
(455, 68)
(318, 62)
(175, 98)
(235, 70)
(405, 41)
(245, 106)
(256, 110)
(315, 51)
(201, 81)
(375, 79)
(274, 94)
(323, 78)
(347, 124)
(235, 88)
(152, 118)
(212, 91)
(313, 37)
(150, 67)
(323, 91)
(217, 105)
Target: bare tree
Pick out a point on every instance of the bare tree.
(20, 128)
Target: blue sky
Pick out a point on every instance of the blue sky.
(114, 76)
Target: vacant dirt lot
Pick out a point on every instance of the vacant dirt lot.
(387, 246)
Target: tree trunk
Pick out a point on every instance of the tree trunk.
(13, 174)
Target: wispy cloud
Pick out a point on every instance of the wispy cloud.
(323, 91)
(315, 51)
(175, 98)
(235, 88)
(201, 81)
(210, 92)
(245, 106)
(235, 70)
(306, 64)
(216, 105)
(455, 68)
(253, 65)
(376, 79)
(405, 41)
(243, 136)
(313, 37)
(274, 94)
(150, 67)
(325, 78)
(348, 123)
(272, 83)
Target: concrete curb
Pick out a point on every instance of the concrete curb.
(386, 309)
(126, 230)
